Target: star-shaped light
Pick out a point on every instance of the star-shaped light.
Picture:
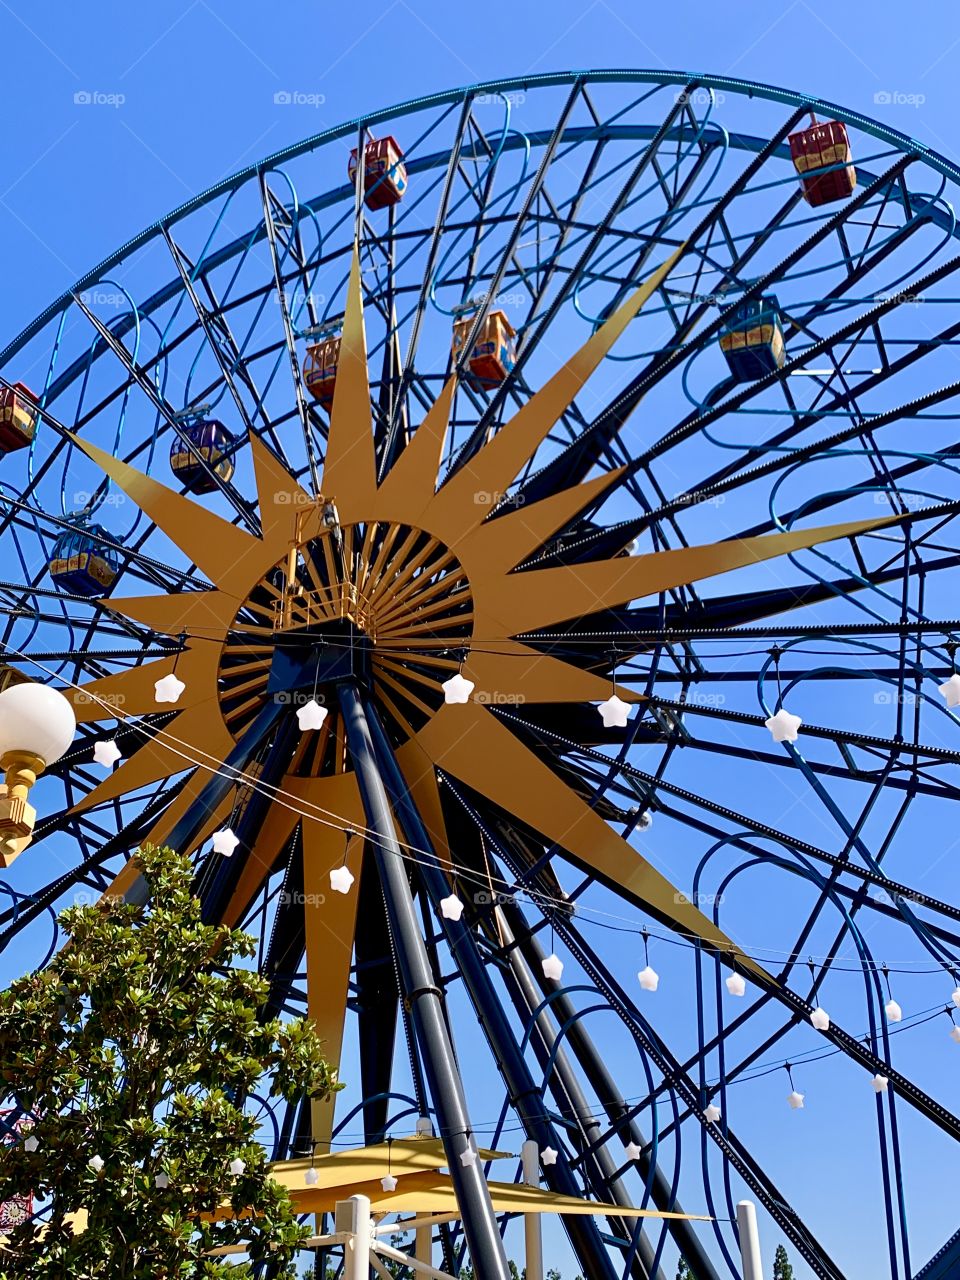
(311, 1177)
(169, 688)
(893, 1011)
(457, 689)
(783, 726)
(951, 690)
(451, 908)
(880, 1084)
(955, 1035)
(955, 997)
(632, 1151)
(648, 978)
(95, 1163)
(615, 712)
(311, 715)
(341, 879)
(468, 1157)
(225, 842)
(549, 1155)
(388, 1182)
(712, 1114)
(30, 1144)
(162, 1181)
(736, 985)
(237, 1166)
(552, 967)
(106, 752)
(820, 1019)
(795, 1100)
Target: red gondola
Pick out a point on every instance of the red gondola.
(822, 157)
(320, 368)
(494, 353)
(384, 173)
(18, 417)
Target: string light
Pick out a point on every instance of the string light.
(736, 985)
(794, 1097)
(880, 1084)
(712, 1114)
(237, 1166)
(225, 842)
(549, 1155)
(106, 752)
(451, 908)
(648, 977)
(311, 715)
(457, 689)
(168, 688)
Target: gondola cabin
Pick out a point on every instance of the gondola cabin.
(822, 157)
(82, 564)
(384, 173)
(752, 338)
(495, 351)
(18, 417)
(202, 452)
(320, 368)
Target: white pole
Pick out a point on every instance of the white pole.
(749, 1240)
(355, 1211)
(530, 1155)
(424, 1237)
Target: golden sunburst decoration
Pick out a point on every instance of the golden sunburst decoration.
(421, 573)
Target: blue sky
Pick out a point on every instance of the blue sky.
(113, 116)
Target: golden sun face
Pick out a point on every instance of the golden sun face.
(423, 575)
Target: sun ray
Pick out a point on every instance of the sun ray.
(502, 543)
(412, 479)
(190, 613)
(470, 744)
(330, 920)
(455, 510)
(280, 497)
(228, 556)
(132, 693)
(197, 733)
(522, 602)
(349, 470)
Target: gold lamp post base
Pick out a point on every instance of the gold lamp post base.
(17, 815)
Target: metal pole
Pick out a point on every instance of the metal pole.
(749, 1240)
(522, 1090)
(533, 1234)
(353, 1215)
(425, 1000)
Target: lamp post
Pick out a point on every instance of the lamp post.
(37, 725)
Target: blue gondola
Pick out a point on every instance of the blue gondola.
(752, 338)
(212, 443)
(82, 564)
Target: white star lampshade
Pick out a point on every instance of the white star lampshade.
(311, 1177)
(311, 715)
(893, 1011)
(736, 985)
(95, 1163)
(237, 1166)
(162, 1181)
(712, 1114)
(225, 842)
(951, 690)
(820, 1019)
(632, 1151)
(388, 1182)
(30, 1144)
(880, 1084)
(457, 689)
(468, 1157)
(783, 726)
(552, 967)
(168, 688)
(956, 997)
(955, 1035)
(451, 908)
(615, 712)
(648, 978)
(549, 1155)
(341, 879)
(106, 752)
(795, 1100)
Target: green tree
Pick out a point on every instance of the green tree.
(131, 1054)
(782, 1268)
(683, 1269)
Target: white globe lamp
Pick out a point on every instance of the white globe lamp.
(37, 725)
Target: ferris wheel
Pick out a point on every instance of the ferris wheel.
(508, 539)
